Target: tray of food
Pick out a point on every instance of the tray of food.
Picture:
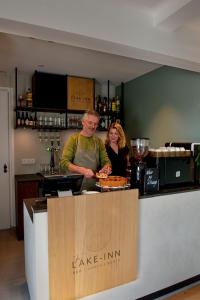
(112, 183)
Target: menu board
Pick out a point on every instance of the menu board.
(151, 180)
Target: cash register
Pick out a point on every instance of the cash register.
(52, 184)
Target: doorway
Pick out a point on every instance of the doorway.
(6, 174)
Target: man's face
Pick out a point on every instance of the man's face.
(90, 124)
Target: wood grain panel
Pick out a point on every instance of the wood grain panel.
(188, 294)
(92, 243)
(80, 93)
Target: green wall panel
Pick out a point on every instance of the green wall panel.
(163, 105)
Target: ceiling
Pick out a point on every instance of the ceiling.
(117, 40)
(30, 54)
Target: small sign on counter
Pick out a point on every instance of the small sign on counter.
(151, 180)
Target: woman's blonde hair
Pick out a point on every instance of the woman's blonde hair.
(120, 131)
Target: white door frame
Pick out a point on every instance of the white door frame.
(11, 153)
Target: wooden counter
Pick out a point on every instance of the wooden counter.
(168, 249)
(91, 244)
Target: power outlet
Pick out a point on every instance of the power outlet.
(28, 161)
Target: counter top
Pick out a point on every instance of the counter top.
(38, 205)
(28, 177)
(172, 190)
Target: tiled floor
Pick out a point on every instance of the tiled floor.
(12, 279)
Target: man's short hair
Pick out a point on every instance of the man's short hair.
(90, 113)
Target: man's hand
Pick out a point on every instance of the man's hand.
(88, 173)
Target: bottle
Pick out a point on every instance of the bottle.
(117, 104)
(35, 122)
(18, 119)
(46, 123)
(50, 121)
(40, 122)
(28, 97)
(113, 107)
(31, 122)
(22, 119)
(26, 120)
(106, 123)
(59, 122)
(109, 105)
(105, 105)
(99, 104)
(21, 101)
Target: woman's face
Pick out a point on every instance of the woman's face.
(113, 135)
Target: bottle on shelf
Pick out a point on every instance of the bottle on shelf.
(35, 123)
(18, 119)
(22, 119)
(21, 101)
(31, 122)
(117, 104)
(105, 105)
(26, 120)
(28, 98)
(99, 104)
(40, 121)
(113, 103)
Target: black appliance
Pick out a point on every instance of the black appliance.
(51, 184)
(195, 149)
(49, 90)
(140, 148)
(173, 171)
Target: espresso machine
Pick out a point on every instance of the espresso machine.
(140, 149)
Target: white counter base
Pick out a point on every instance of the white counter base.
(169, 247)
(36, 255)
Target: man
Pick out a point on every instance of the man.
(85, 153)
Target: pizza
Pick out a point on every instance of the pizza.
(113, 181)
(101, 175)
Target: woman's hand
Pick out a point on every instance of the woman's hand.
(106, 169)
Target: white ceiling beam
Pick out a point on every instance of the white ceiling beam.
(177, 14)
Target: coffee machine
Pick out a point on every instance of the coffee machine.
(140, 149)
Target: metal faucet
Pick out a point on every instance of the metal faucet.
(53, 149)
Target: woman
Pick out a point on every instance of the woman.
(117, 149)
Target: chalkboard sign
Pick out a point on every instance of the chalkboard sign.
(151, 180)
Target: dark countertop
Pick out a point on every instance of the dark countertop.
(173, 190)
(36, 205)
(29, 177)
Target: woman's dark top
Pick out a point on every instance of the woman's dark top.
(118, 160)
